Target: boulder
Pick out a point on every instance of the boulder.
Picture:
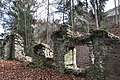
(24, 59)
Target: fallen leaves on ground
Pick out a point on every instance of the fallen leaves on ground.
(115, 29)
(13, 70)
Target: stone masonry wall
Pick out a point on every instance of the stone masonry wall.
(106, 50)
(112, 59)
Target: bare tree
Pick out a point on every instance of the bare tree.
(116, 20)
(47, 23)
(96, 15)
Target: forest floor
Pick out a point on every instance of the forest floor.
(115, 30)
(13, 70)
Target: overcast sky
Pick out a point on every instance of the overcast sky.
(1, 30)
(109, 5)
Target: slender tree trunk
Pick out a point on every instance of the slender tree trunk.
(98, 12)
(64, 10)
(12, 46)
(47, 23)
(96, 16)
(71, 13)
(26, 37)
(88, 24)
(118, 12)
(116, 20)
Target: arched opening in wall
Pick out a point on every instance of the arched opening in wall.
(82, 56)
(77, 57)
(70, 58)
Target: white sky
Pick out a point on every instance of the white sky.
(109, 5)
(1, 29)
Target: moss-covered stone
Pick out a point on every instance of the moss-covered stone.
(99, 33)
(105, 47)
(37, 62)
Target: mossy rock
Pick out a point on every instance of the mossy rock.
(36, 63)
(99, 33)
(49, 62)
(76, 73)
(68, 71)
(59, 68)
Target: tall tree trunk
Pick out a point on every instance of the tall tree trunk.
(118, 12)
(88, 24)
(26, 37)
(47, 36)
(116, 20)
(63, 10)
(12, 46)
(96, 15)
(71, 13)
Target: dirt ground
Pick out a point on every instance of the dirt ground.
(13, 70)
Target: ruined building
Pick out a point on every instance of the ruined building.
(103, 52)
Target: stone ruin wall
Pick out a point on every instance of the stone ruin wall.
(105, 53)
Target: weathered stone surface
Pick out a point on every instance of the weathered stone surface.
(99, 49)
(112, 64)
(104, 47)
(18, 45)
(63, 48)
(106, 50)
(42, 53)
(43, 50)
(1, 49)
(24, 59)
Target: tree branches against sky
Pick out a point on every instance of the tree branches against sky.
(109, 4)
(43, 6)
(42, 11)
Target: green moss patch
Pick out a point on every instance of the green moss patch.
(99, 33)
